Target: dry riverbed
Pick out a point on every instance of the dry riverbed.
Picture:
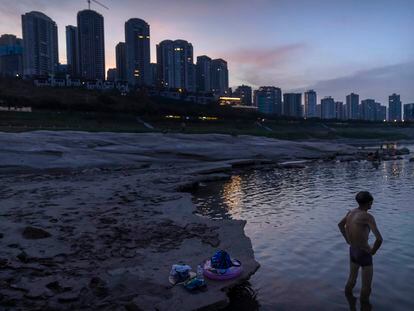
(95, 220)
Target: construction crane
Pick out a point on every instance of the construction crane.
(97, 2)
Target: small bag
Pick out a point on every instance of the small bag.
(221, 260)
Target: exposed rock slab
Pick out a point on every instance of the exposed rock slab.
(95, 221)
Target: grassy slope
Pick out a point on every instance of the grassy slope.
(73, 109)
(122, 122)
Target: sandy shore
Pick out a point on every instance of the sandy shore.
(115, 218)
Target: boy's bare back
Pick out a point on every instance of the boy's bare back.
(357, 227)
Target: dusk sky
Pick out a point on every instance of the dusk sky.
(333, 46)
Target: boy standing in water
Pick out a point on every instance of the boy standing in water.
(355, 228)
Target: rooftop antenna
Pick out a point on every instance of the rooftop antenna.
(97, 2)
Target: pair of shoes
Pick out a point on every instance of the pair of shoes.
(194, 283)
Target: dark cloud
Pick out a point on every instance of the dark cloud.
(377, 83)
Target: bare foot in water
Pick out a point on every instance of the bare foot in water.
(351, 300)
(365, 305)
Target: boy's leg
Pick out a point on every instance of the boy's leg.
(353, 275)
(367, 273)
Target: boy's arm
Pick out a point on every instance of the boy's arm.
(341, 226)
(378, 238)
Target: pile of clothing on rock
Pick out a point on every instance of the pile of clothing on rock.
(219, 267)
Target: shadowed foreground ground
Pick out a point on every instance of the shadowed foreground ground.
(112, 216)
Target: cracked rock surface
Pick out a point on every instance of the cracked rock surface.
(95, 220)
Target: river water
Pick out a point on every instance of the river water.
(292, 217)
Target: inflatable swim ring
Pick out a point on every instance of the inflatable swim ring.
(231, 273)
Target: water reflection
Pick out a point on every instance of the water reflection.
(242, 298)
(232, 196)
(291, 219)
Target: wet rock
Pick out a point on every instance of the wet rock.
(128, 253)
(8, 302)
(68, 297)
(212, 240)
(98, 287)
(91, 170)
(3, 262)
(23, 257)
(32, 233)
(58, 288)
(108, 220)
(131, 306)
(55, 286)
(37, 293)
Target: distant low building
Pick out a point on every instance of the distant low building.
(187, 97)
(42, 82)
(73, 82)
(230, 101)
(14, 109)
(108, 85)
(58, 82)
(93, 84)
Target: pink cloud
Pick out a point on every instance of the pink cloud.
(262, 58)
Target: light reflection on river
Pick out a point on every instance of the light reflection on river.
(292, 218)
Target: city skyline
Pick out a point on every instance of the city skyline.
(295, 60)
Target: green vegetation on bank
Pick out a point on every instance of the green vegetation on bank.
(128, 122)
(76, 109)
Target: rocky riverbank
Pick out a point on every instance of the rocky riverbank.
(95, 220)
